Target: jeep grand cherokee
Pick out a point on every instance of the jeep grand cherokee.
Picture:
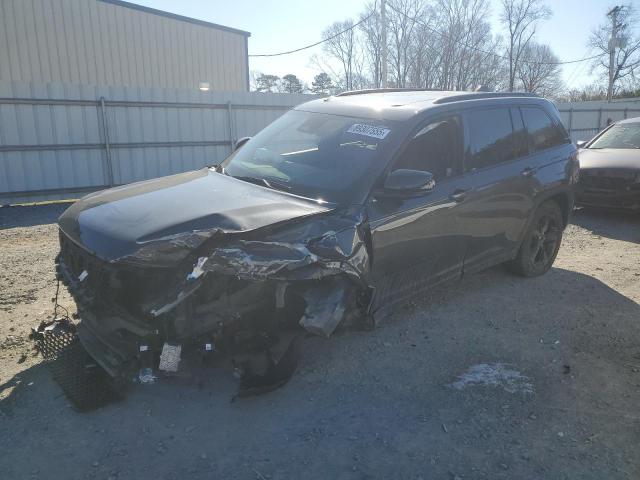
(337, 211)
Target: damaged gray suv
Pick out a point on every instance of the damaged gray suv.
(334, 213)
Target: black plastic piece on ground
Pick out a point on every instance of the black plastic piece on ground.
(85, 383)
(276, 375)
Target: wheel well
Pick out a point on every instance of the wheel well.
(562, 200)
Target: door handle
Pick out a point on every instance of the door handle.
(458, 196)
(528, 171)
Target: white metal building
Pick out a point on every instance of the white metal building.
(98, 93)
(117, 43)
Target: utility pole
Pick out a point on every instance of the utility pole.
(613, 43)
(383, 18)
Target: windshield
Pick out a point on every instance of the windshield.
(625, 135)
(315, 155)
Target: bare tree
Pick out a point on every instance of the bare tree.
(253, 80)
(425, 53)
(371, 40)
(624, 45)
(538, 73)
(440, 44)
(465, 45)
(402, 21)
(520, 18)
(482, 68)
(342, 47)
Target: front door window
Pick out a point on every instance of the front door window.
(435, 148)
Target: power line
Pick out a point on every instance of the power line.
(486, 52)
(373, 11)
(576, 74)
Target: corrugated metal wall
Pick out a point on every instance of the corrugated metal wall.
(93, 42)
(58, 141)
(585, 119)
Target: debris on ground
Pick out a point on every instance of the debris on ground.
(494, 375)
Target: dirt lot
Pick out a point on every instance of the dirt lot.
(493, 377)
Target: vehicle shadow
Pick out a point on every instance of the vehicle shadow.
(615, 225)
(25, 389)
(484, 286)
(459, 325)
(31, 215)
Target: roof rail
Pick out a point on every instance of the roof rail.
(384, 90)
(479, 95)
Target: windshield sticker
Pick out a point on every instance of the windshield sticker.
(369, 130)
(360, 144)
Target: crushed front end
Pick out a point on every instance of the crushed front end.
(240, 296)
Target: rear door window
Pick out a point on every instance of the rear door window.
(543, 131)
(491, 139)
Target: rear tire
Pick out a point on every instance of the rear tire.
(541, 242)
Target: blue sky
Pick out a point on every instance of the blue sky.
(279, 25)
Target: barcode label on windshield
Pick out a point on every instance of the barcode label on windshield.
(369, 130)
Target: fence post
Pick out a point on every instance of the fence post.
(107, 144)
(230, 119)
(599, 126)
(625, 112)
(570, 120)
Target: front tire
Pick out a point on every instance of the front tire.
(541, 242)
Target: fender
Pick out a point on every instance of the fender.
(562, 190)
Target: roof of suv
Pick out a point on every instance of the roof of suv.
(399, 104)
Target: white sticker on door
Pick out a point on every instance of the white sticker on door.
(369, 130)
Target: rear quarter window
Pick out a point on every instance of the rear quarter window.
(542, 130)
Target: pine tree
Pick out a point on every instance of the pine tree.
(291, 84)
(322, 84)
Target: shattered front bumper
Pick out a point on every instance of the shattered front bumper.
(196, 318)
(113, 336)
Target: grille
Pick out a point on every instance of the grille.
(619, 182)
(103, 280)
(79, 260)
(123, 285)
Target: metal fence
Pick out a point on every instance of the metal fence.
(584, 120)
(60, 141)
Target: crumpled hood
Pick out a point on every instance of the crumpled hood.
(182, 210)
(609, 158)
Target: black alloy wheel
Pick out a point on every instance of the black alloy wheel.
(541, 243)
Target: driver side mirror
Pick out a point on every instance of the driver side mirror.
(240, 142)
(403, 182)
(581, 143)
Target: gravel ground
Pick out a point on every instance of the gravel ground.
(495, 377)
